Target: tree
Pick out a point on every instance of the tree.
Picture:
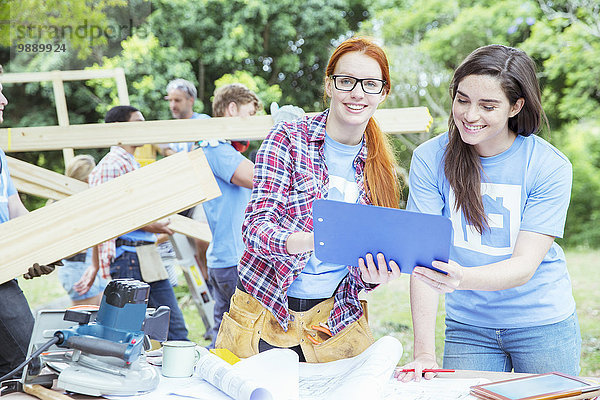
(285, 42)
(427, 39)
(81, 25)
(567, 44)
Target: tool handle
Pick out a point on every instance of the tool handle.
(44, 393)
(98, 346)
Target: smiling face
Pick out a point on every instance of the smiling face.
(481, 111)
(3, 102)
(350, 111)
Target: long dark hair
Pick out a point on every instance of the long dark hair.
(462, 166)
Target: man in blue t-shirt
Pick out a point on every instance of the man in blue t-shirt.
(181, 95)
(225, 214)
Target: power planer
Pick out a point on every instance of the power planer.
(104, 356)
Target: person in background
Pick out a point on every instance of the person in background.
(79, 167)
(16, 319)
(509, 302)
(225, 213)
(285, 296)
(181, 95)
(120, 258)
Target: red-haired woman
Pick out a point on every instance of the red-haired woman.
(286, 297)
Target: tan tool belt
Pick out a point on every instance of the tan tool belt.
(248, 321)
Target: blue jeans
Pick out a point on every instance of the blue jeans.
(534, 350)
(161, 292)
(16, 326)
(71, 272)
(223, 281)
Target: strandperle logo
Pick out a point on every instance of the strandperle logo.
(83, 30)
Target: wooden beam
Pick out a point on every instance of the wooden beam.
(122, 92)
(80, 75)
(190, 227)
(29, 178)
(37, 189)
(60, 100)
(393, 121)
(47, 184)
(95, 215)
(57, 78)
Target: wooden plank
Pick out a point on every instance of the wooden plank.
(60, 100)
(95, 215)
(43, 182)
(47, 184)
(122, 92)
(78, 75)
(37, 189)
(190, 227)
(393, 121)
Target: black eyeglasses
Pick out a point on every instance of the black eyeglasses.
(347, 83)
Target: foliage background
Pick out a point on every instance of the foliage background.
(280, 48)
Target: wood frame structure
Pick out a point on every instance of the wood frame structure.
(92, 216)
(392, 121)
(58, 78)
(106, 211)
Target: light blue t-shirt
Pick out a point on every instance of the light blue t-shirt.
(525, 188)
(7, 188)
(318, 280)
(187, 146)
(225, 214)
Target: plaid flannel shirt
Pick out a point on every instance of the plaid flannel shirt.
(289, 174)
(116, 163)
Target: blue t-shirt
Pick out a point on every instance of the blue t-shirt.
(525, 188)
(7, 188)
(134, 236)
(187, 146)
(225, 214)
(318, 279)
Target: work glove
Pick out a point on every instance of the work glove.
(285, 113)
(39, 270)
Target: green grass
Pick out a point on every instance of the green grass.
(389, 309)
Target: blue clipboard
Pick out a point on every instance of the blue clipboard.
(346, 231)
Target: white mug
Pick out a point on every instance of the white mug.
(179, 358)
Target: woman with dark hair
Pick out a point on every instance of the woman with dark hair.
(509, 302)
(286, 297)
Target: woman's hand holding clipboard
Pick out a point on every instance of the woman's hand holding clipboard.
(346, 232)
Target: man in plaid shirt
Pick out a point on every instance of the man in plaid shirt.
(117, 258)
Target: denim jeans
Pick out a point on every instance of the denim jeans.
(161, 292)
(16, 326)
(535, 350)
(223, 281)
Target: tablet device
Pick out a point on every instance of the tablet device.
(553, 385)
(346, 231)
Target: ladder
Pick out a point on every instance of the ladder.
(185, 251)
